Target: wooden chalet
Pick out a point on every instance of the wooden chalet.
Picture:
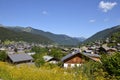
(111, 50)
(77, 59)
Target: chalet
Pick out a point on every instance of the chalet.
(77, 59)
(72, 59)
(19, 58)
(111, 50)
(89, 51)
(50, 59)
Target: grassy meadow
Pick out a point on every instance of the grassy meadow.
(25, 72)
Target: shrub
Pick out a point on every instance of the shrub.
(112, 64)
(3, 56)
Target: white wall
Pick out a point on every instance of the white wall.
(66, 65)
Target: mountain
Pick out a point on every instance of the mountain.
(7, 34)
(104, 34)
(59, 39)
(81, 39)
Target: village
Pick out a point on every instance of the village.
(23, 52)
(59, 40)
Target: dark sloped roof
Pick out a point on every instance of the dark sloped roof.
(19, 57)
(69, 55)
(77, 52)
(91, 55)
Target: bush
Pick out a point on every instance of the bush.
(39, 62)
(112, 64)
(3, 56)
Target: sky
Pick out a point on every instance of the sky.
(74, 18)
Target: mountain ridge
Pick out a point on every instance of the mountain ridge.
(101, 35)
(6, 34)
(60, 39)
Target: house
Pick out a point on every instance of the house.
(77, 59)
(72, 59)
(109, 50)
(31, 53)
(89, 51)
(19, 58)
(94, 57)
(50, 59)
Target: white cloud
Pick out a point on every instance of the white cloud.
(92, 20)
(105, 6)
(44, 12)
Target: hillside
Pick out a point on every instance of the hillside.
(59, 39)
(104, 34)
(6, 34)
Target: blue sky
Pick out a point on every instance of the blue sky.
(75, 18)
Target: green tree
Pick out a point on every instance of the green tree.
(116, 37)
(38, 57)
(39, 62)
(112, 64)
(57, 53)
(39, 50)
(3, 56)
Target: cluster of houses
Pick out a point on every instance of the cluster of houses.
(73, 59)
(77, 56)
(98, 47)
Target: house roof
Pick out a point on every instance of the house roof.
(47, 58)
(114, 49)
(69, 55)
(108, 48)
(19, 57)
(77, 52)
(89, 51)
(91, 55)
